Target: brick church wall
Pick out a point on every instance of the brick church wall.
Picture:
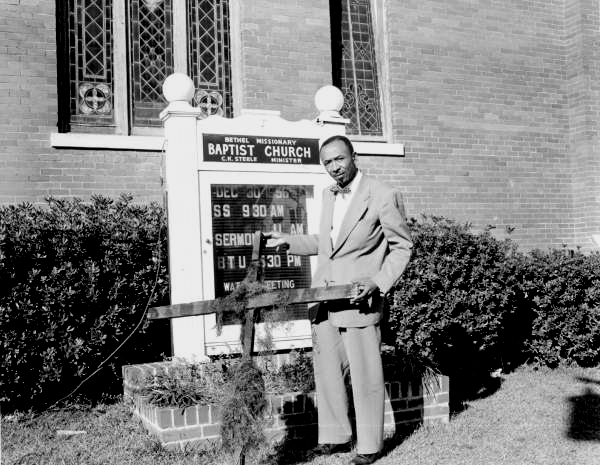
(479, 100)
(286, 55)
(30, 169)
(583, 74)
(496, 103)
(483, 98)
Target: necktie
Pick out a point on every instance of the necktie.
(336, 189)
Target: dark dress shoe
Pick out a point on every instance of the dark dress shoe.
(365, 459)
(328, 449)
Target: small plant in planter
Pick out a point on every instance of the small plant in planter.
(186, 383)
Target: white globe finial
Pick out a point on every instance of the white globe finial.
(329, 100)
(178, 87)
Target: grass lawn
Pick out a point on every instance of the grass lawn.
(546, 417)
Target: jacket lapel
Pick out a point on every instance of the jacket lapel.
(356, 210)
(327, 220)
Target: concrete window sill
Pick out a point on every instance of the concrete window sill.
(156, 143)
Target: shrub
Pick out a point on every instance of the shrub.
(469, 304)
(76, 278)
(461, 304)
(565, 288)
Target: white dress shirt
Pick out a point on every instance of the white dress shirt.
(340, 207)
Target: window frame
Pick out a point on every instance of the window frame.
(381, 47)
(123, 120)
(381, 33)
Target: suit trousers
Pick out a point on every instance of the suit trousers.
(335, 351)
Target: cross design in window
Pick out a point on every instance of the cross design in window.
(95, 99)
(152, 4)
(211, 103)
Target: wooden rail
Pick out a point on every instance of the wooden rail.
(289, 296)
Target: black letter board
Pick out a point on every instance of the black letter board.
(238, 210)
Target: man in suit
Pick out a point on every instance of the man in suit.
(363, 239)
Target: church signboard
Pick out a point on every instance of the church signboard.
(229, 148)
(226, 179)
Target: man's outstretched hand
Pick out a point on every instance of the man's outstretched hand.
(276, 239)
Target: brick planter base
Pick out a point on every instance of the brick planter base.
(288, 417)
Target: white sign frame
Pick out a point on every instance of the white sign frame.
(184, 165)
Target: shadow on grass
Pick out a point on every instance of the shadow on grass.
(402, 433)
(584, 414)
(293, 450)
(585, 379)
(473, 386)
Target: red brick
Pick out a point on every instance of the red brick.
(164, 417)
(191, 416)
(432, 411)
(181, 434)
(178, 417)
(209, 431)
(216, 413)
(204, 414)
(437, 399)
(394, 390)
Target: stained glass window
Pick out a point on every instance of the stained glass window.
(139, 60)
(357, 75)
(209, 57)
(151, 36)
(90, 70)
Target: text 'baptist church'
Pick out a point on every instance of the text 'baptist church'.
(251, 149)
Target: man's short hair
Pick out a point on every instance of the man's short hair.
(347, 142)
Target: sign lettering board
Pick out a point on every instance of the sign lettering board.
(238, 210)
(235, 204)
(227, 148)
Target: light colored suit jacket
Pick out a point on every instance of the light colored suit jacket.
(374, 242)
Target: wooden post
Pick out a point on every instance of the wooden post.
(255, 274)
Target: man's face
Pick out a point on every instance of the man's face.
(339, 162)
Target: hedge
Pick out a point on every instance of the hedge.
(461, 305)
(565, 290)
(77, 276)
(470, 303)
